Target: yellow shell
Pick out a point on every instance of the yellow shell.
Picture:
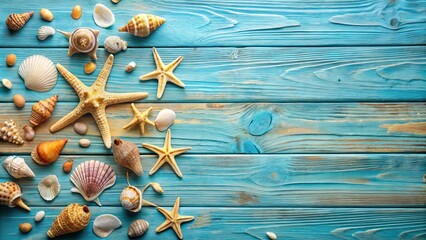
(42, 110)
(72, 219)
(127, 155)
(10, 195)
(142, 25)
(48, 152)
(16, 21)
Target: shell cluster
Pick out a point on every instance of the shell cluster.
(72, 219)
(39, 73)
(16, 21)
(9, 133)
(127, 155)
(114, 44)
(142, 25)
(10, 195)
(42, 110)
(48, 152)
(17, 167)
(45, 32)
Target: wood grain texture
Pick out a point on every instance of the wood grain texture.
(249, 74)
(239, 23)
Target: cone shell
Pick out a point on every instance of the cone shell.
(49, 187)
(16, 21)
(137, 228)
(42, 110)
(10, 195)
(72, 219)
(127, 155)
(131, 199)
(39, 73)
(91, 178)
(9, 133)
(17, 167)
(48, 152)
(142, 25)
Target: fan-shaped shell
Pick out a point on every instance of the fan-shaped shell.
(142, 25)
(42, 110)
(10, 195)
(105, 224)
(102, 16)
(91, 178)
(127, 155)
(16, 21)
(44, 32)
(84, 40)
(39, 73)
(48, 152)
(137, 228)
(131, 199)
(72, 219)
(17, 167)
(114, 44)
(49, 187)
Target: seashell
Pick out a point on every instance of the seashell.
(39, 73)
(17, 167)
(115, 1)
(131, 197)
(114, 44)
(9, 133)
(48, 152)
(19, 100)
(84, 142)
(91, 178)
(6, 83)
(67, 166)
(165, 119)
(142, 25)
(11, 60)
(271, 235)
(105, 224)
(127, 155)
(82, 40)
(39, 216)
(49, 187)
(90, 67)
(42, 110)
(10, 195)
(102, 16)
(80, 128)
(16, 21)
(157, 187)
(137, 228)
(46, 14)
(76, 12)
(45, 32)
(72, 219)
(130, 67)
(25, 227)
(29, 133)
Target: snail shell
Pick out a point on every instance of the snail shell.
(82, 40)
(16, 21)
(72, 219)
(127, 155)
(142, 25)
(17, 167)
(137, 228)
(131, 199)
(114, 44)
(42, 110)
(44, 32)
(48, 152)
(10, 195)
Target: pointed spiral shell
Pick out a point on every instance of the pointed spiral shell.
(72, 219)
(10, 195)
(42, 110)
(142, 25)
(16, 21)
(127, 155)
(17, 167)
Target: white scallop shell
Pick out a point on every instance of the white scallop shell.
(49, 187)
(114, 44)
(91, 178)
(39, 73)
(44, 32)
(17, 167)
(102, 16)
(105, 224)
(165, 119)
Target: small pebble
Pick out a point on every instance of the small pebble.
(84, 142)
(76, 12)
(46, 14)
(29, 133)
(90, 67)
(11, 60)
(67, 167)
(39, 216)
(80, 128)
(271, 235)
(7, 83)
(25, 227)
(19, 100)
(130, 67)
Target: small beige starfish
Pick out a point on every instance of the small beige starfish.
(173, 219)
(139, 118)
(94, 100)
(166, 154)
(163, 73)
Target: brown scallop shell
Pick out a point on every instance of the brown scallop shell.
(127, 155)
(42, 110)
(72, 219)
(48, 152)
(16, 21)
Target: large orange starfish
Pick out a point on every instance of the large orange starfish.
(173, 219)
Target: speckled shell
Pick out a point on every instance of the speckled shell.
(142, 25)
(127, 155)
(114, 44)
(42, 110)
(72, 219)
(48, 152)
(16, 21)
(49, 187)
(9, 133)
(39, 73)
(131, 199)
(10, 195)
(44, 32)
(102, 16)
(17, 167)
(105, 224)
(137, 228)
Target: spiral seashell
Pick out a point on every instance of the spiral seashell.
(142, 25)
(42, 110)
(102, 16)
(72, 219)
(91, 178)
(114, 44)
(127, 155)
(16, 21)
(17, 167)
(48, 152)
(10, 195)
(9, 133)
(45, 32)
(82, 40)
(39, 73)
(137, 228)
(105, 224)
(49, 187)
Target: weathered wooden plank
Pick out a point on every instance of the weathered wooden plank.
(250, 74)
(259, 181)
(246, 223)
(240, 23)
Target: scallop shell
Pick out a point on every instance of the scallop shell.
(137, 228)
(16, 21)
(72, 219)
(165, 119)
(114, 44)
(102, 16)
(10, 195)
(48, 152)
(105, 224)
(91, 178)
(9, 133)
(42, 110)
(127, 155)
(17, 167)
(39, 73)
(142, 25)
(45, 32)
(49, 187)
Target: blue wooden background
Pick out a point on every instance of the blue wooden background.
(307, 118)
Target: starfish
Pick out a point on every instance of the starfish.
(166, 154)
(139, 118)
(94, 100)
(163, 73)
(173, 219)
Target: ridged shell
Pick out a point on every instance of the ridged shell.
(16, 21)
(48, 152)
(49, 187)
(165, 119)
(131, 199)
(9, 133)
(10, 195)
(102, 16)
(42, 110)
(127, 155)
(17, 167)
(44, 32)
(114, 44)
(137, 228)
(72, 219)
(142, 25)
(105, 224)
(91, 178)
(39, 73)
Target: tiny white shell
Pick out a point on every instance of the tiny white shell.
(165, 119)
(44, 32)
(114, 44)
(39, 216)
(271, 235)
(49, 187)
(102, 16)
(105, 224)
(130, 67)
(84, 142)
(17, 167)
(7, 83)
(39, 73)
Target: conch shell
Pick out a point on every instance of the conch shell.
(42, 110)
(127, 155)
(48, 152)
(131, 197)
(17, 167)
(16, 21)
(9, 133)
(142, 25)
(10, 195)
(72, 219)
(82, 40)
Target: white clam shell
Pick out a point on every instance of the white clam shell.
(44, 32)
(7, 83)
(39, 216)
(17, 167)
(102, 16)
(39, 73)
(114, 44)
(105, 224)
(165, 119)
(49, 187)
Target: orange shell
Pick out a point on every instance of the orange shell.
(42, 110)
(48, 152)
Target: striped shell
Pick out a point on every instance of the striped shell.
(91, 178)
(49, 187)
(142, 25)
(83, 40)
(44, 32)
(39, 73)
(16, 21)
(42, 110)
(114, 44)
(72, 219)
(10, 195)
(137, 228)
(17, 167)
